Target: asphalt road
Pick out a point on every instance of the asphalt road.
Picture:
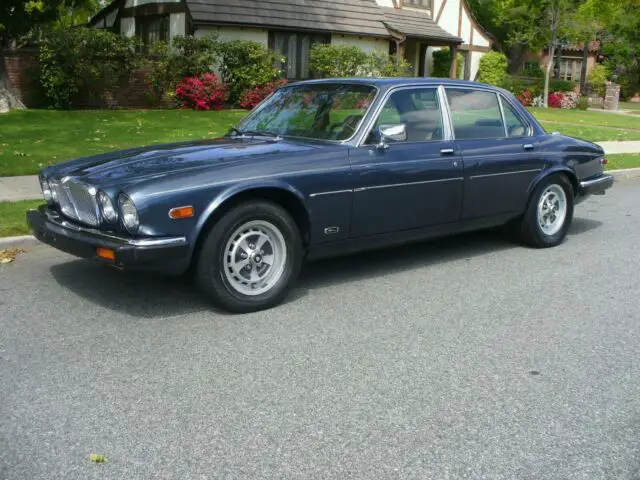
(464, 358)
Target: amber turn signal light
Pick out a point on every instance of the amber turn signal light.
(181, 212)
(106, 253)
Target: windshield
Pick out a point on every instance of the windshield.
(321, 111)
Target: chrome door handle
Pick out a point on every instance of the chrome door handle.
(446, 151)
(528, 146)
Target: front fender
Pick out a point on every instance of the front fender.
(231, 191)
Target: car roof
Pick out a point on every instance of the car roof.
(396, 81)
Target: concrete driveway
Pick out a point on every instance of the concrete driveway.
(463, 358)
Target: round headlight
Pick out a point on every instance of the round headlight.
(46, 190)
(107, 208)
(128, 213)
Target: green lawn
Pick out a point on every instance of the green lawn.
(629, 106)
(31, 139)
(592, 126)
(12, 217)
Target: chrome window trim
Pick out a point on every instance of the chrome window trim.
(407, 184)
(532, 170)
(500, 97)
(518, 115)
(504, 120)
(376, 113)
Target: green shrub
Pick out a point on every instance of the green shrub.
(583, 103)
(337, 61)
(532, 69)
(493, 68)
(380, 64)
(557, 85)
(82, 66)
(442, 63)
(246, 65)
(598, 79)
(184, 57)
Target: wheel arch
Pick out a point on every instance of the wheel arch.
(559, 169)
(281, 193)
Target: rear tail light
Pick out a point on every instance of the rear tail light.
(603, 161)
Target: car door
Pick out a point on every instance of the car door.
(407, 184)
(501, 157)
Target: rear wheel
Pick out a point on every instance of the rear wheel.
(549, 213)
(250, 258)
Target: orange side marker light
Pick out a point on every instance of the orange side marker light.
(181, 212)
(106, 253)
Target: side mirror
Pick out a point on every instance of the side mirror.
(391, 133)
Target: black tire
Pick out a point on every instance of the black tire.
(529, 230)
(210, 274)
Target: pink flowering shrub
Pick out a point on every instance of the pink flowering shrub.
(253, 96)
(569, 100)
(202, 92)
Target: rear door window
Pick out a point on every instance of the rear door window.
(475, 114)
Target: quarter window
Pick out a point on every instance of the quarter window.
(516, 127)
(475, 114)
(418, 109)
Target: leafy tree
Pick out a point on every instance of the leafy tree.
(493, 69)
(336, 61)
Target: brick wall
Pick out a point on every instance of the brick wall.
(21, 66)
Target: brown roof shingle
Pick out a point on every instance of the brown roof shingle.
(356, 17)
(413, 23)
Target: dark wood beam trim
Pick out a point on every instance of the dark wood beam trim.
(153, 9)
(474, 48)
(460, 20)
(440, 10)
(454, 63)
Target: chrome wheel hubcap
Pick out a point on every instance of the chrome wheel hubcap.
(255, 257)
(552, 209)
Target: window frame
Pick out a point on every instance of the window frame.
(142, 33)
(429, 5)
(501, 98)
(447, 134)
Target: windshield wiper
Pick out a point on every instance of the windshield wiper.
(263, 133)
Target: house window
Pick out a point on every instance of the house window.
(571, 69)
(295, 48)
(152, 29)
(418, 3)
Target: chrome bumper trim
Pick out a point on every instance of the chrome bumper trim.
(60, 222)
(596, 181)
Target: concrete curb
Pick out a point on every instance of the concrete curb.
(23, 241)
(624, 172)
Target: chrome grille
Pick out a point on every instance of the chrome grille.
(77, 202)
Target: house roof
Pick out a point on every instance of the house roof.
(412, 23)
(594, 46)
(357, 17)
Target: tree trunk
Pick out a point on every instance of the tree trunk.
(583, 70)
(547, 75)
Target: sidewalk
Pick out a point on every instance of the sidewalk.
(13, 189)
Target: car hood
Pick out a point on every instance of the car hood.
(157, 161)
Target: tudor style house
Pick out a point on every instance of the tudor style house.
(412, 29)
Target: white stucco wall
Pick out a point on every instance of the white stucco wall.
(385, 3)
(449, 19)
(475, 63)
(177, 24)
(128, 26)
(366, 44)
(135, 3)
(465, 31)
(228, 34)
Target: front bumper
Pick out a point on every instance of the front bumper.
(165, 254)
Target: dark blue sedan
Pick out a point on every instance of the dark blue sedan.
(321, 168)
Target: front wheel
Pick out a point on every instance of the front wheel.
(250, 258)
(549, 213)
